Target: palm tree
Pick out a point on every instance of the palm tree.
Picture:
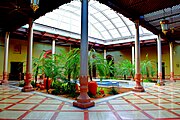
(36, 64)
(125, 68)
(147, 68)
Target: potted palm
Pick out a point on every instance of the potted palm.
(92, 85)
(125, 68)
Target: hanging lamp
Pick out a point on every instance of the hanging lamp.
(34, 5)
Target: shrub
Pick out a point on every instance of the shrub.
(113, 91)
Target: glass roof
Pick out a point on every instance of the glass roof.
(104, 24)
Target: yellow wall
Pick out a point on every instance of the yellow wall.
(21, 57)
(125, 54)
(152, 55)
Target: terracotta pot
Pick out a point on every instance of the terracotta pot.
(77, 87)
(49, 82)
(92, 87)
(101, 91)
(42, 87)
(38, 85)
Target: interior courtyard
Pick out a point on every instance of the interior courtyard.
(140, 32)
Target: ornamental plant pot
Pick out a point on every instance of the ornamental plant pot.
(49, 82)
(92, 87)
(101, 91)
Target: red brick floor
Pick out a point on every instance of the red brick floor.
(157, 103)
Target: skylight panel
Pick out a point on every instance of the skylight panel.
(114, 33)
(93, 20)
(92, 10)
(106, 35)
(100, 16)
(132, 28)
(124, 31)
(99, 27)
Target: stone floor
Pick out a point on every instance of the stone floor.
(157, 103)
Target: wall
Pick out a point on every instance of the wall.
(118, 55)
(152, 55)
(20, 56)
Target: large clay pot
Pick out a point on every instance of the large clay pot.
(49, 82)
(92, 87)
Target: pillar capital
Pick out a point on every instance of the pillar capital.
(136, 24)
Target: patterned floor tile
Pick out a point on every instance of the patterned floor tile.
(22, 106)
(11, 114)
(161, 114)
(52, 101)
(10, 100)
(100, 107)
(2, 106)
(158, 100)
(31, 101)
(19, 96)
(131, 97)
(149, 96)
(133, 115)
(37, 97)
(170, 105)
(69, 107)
(46, 107)
(176, 111)
(118, 101)
(147, 106)
(70, 116)
(138, 101)
(4, 96)
(124, 107)
(101, 116)
(36, 115)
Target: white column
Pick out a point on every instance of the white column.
(104, 53)
(53, 46)
(171, 61)
(28, 87)
(6, 53)
(133, 54)
(160, 82)
(138, 86)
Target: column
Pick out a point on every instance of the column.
(83, 100)
(105, 53)
(5, 66)
(132, 61)
(133, 54)
(160, 81)
(53, 47)
(171, 62)
(28, 87)
(138, 87)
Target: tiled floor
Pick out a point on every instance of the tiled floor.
(161, 103)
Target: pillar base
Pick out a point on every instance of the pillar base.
(5, 78)
(172, 77)
(138, 87)
(27, 89)
(160, 84)
(83, 100)
(84, 105)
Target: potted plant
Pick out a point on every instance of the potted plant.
(125, 68)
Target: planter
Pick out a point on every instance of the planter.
(92, 87)
(101, 91)
(49, 82)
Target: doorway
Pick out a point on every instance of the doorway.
(16, 72)
(163, 70)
